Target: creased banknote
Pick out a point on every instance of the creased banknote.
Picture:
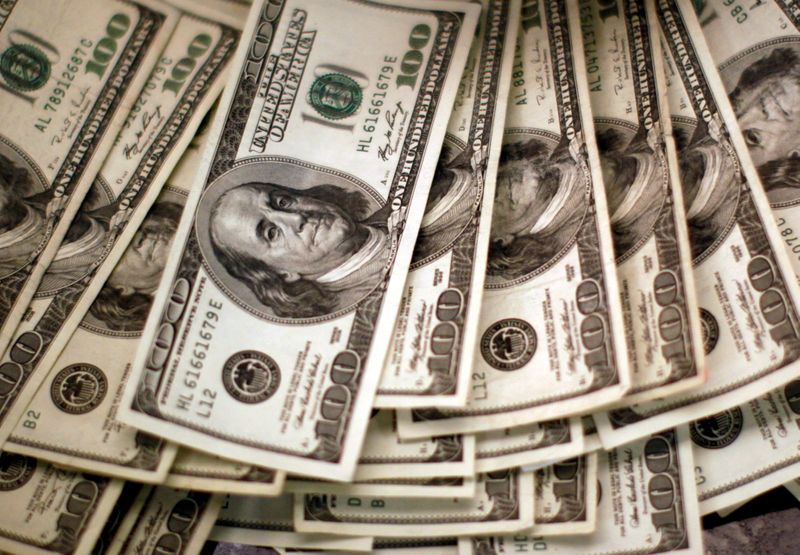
(100, 283)
(166, 520)
(757, 52)
(747, 450)
(47, 509)
(551, 339)
(432, 350)
(503, 502)
(266, 522)
(441, 487)
(203, 472)
(627, 86)
(281, 291)
(566, 497)
(746, 289)
(647, 504)
(70, 72)
(71, 419)
(528, 445)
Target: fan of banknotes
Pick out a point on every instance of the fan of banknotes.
(395, 276)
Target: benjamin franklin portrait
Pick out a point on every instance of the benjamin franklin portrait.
(540, 201)
(302, 252)
(765, 93)
(22, 213)
(124, 301)
(450, 202)
(635, 187)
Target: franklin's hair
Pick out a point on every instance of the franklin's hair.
(15, 183)
(128, 312)
(526, 252)
(303, 298)
(779, 64)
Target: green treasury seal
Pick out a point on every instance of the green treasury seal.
(335, 96)
(24, 67)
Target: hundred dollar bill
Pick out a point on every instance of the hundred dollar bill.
(48, 509)
(98, 288)
(125, 501)
(566, 497)
(647, 504)
(415, 546)
(746, 289)
(503, 502)
(267, 522)
(166, 520)
(441, 487)
(747, 450)
(528, 445)
(648, 222)
(756, 49)
(70, 70)
(279, 297)
(432, 349)
(551, 341)
(203, 472)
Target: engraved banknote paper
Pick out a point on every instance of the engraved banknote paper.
(566, 497)
(528, 445)
(647, 504)
(266, 522)
(203, 472)
(280, 295)
(757, 52)
(640, 172)
(551, 339)
(746, 289)
(48, 509)
(106, 272)
(166, 520)
(763, 439)
(441, 487)
(431, 354)
(503, 501)
(70, 72)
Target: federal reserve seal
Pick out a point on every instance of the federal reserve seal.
(718, 430)
(24, 67)
(710, 330)
(251, 377)
(79, 388)
(508, 344)
(335, 96)
(15, 470)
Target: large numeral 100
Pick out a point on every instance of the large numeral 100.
(412, 59)
(106, 48)
(661, 489)
(185, 66)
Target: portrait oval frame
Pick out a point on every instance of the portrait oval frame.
(282, 171)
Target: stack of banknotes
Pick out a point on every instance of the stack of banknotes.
(396, 276)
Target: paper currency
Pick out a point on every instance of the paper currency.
(647, 504)
(125, 501)
(166, 520)
(550, 333)
(503, 501)
(442, 487)
(757, 53)
(266, 522)
(746, 290)
(566, 497)
(66, 85)
(640, 172)
(203, 472)
(747, 450)
(415, 546)
(48, 509)
(301, 233)
(432, 350)
(528, 445)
